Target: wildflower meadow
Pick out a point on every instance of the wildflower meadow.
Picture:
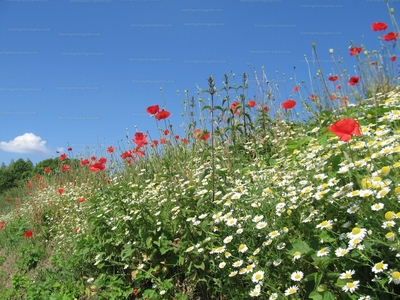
(264, 197)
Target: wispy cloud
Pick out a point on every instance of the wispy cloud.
(26, 143)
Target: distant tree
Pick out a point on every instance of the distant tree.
(3, 166)
(7, 180)
(52, 163)
(21, 169)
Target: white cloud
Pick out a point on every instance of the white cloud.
(26, 143)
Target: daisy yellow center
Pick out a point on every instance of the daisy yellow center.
(385, 170)
(258, 276)
(396, 275)
(379, 266)
(324, 223)
(356, 230)
(350, 285)
(389, 215)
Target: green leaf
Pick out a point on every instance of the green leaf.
(200, 266)
(206, 107)
(300, 246)
(315, 295)
(292, 145)
(149, 242)
(328, 295)
(326, 236)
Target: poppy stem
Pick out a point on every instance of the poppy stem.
(212, 91)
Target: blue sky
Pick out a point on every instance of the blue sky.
(79, 73)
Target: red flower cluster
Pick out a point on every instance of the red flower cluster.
(377, 26)
(140, 139)
(28, 234)
(355, 50)
(97, 166)
(354, 80)
(200, 134)
(391, 36)
(65, 168)
(288, 104)
(84, 162)
(155, 110)
(234, 105)
(333, 78)
(110, 149)
(2, 223)
(251, 103)
(345, 128)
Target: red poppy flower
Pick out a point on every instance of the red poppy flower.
(338, 87)
(28, 234)
(377, 26)
(200, 134)
(355, 50)
(140, 139)
(126, 154)
(103, 160)
(166, 131)
(29, 185)
(69, 149)
(313, 97)
(161, 115)
(61, 191)
(296, 89)
(76, 230)
(63, 156)
(84, 162)
(333, 78)
(37, 176)
(153, 109)
(154, 143)
(93, 158)
(345, 128)
(251, 103)
(163, 141)
(234, 105)
(332, 96)
(65, 168)
(110, 149)
(185, 141)
(393, 58)
(266, 108)
(81, 200)
(288, 104)
(177, 137)
(391, 36)
(354, 80)
(98, 166)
